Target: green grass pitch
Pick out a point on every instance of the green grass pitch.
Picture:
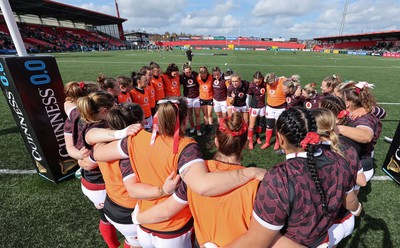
(37, 213)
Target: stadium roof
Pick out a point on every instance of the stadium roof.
(60, 11)
(383, 35)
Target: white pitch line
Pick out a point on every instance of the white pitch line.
(389, 103)
(16, 172)
(381, 178)
(19, 172)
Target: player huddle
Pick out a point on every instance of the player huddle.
(150, 182)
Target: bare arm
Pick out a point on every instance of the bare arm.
(350, 201)
(98, 135)
(73, 152)
(107, 152)
(358, 134)
(361, 180)
(205, 183)
(256, 236)
(259, 236)
(161, 212)
(139, 190)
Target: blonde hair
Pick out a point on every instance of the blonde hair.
(326, 123)
(74, 90)
(167, 116)
(89, 106)
(310, 88)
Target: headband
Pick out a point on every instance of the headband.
(343, 114)
(81, 85)
(311, 138)
(226, 130)
(362, 85)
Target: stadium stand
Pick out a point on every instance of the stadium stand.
(236, 43)
(377, 41)
(48, 26)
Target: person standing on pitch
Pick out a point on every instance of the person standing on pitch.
(189, 55)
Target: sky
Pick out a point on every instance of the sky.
(305, 19)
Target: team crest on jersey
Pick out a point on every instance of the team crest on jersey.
(288, 99)
(262, 91)
(129, 99)
(190, 81)
(308, 105)
(216, 82)
(272, 92)
(174, 83)
(241, 95)
(153, 91)
(145, 100)
(159, 84)
(205, 87)
(254, 112)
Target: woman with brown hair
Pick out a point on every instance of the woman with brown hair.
(155, 155)
(367, 127)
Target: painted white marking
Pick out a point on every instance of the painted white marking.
(11, 172)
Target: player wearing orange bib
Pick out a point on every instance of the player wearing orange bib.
(146, 70)
(171, 81)
(121, 182)
(157, 82)
(125, 84)
(205, 81)
(141, 97)
(154, 156)
(212, 221)
(276, 104)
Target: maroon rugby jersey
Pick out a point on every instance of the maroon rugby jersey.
(312, 102)
(292, 101)
(257, 93)
(288, 199)
(240, 94)
(190, 85)
(371, 121)
(219, 89)
(93, 176)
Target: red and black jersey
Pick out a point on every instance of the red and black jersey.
(257, 93)
(190, 85)
(292, 101)
(287, 199)
(240, 94)
(220, 89)
(372, 122)
(311, 102)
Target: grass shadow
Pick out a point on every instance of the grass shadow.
(9, 130)
(357, 239)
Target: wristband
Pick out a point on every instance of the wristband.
(120, 134)
(358, 211)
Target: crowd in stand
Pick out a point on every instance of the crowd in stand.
(59, 39)
(148, 179)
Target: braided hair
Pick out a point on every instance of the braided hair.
(294, 124)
